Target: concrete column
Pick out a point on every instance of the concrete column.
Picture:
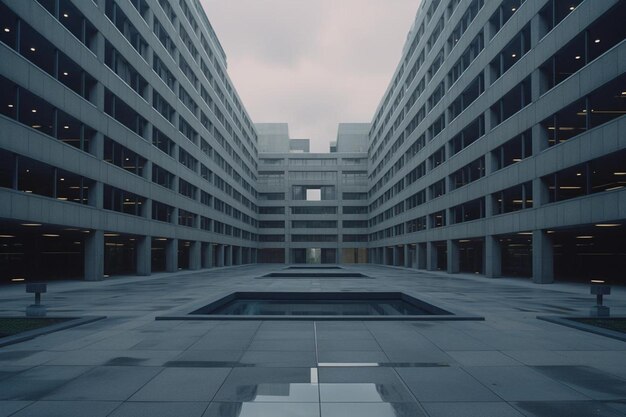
(420, 253)
(493, 257)
(287, 255)
(431, 256)
(453, 258)
(228, 255)
(543, 258)
(255, 254)
(195, 256)
(144, 255)
(539, 138)
(220, 255)
(384, 255)
(207, 255)
(171, 255)
(407, 256)
(94, 256)
(394, 255)
(541, 193)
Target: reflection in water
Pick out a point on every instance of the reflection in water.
(320, 308)
(278, 392)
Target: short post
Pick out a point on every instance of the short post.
(600, 289)
(37, 309)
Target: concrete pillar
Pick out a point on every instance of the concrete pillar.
(420, 253)
(407, 256)
(94, 256)
(453, 258)
(195, 255)
(541, 193)
(220, 255)
(493, 257)
(543, 258)
(255, 254)
(144, 255)
(431, 256)
(228, 255)
(171, 255)
(287, 255)
(385, 253)
(207, 255)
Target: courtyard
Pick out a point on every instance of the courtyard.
(129, 364)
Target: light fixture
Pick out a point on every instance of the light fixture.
(111, 234)
(513, 9)
(33, 111)
(608, 225)
(578, 174)
(571, 8)
(32, 49)
(50, 235)
(584, 237)
(7, 30)
(525, 233)
(577, 57)
(11, 106)
(18, 279)
(66, 15)
(6, 236)
(513, 55)
(31, 224)
(596, 41)
(619, 173)
(36, 126)
(66, 127)
(62, 179)
(65, 73)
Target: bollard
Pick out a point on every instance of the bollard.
(599, 289)
(37, 309)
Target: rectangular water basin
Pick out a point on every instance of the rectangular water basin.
(320, 275)
(318, 306)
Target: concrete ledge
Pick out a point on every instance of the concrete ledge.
(570, 322)
(31, 334)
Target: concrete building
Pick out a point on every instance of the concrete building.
(499, 147)
(312, 206)
(124, 147)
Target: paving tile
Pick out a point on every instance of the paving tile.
(520, 383)
(183, 384)
(113, 383)
(482, 358)
(372, 410)
(307, 344)
(592, 382)
(349, 356)
(371, 384)
(68, 409)
(440, 384)
(268, 385)
(9, 407)
(160, 409)
(255, 409)
(37, 382)
(279, 358)
(471, 409)
(567, 409)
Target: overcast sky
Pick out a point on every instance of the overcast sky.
(311, 63)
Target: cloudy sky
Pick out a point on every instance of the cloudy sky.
(311, 63)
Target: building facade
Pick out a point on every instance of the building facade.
(124, 147)
(499, 147)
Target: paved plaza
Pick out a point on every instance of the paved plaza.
(509, 365)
